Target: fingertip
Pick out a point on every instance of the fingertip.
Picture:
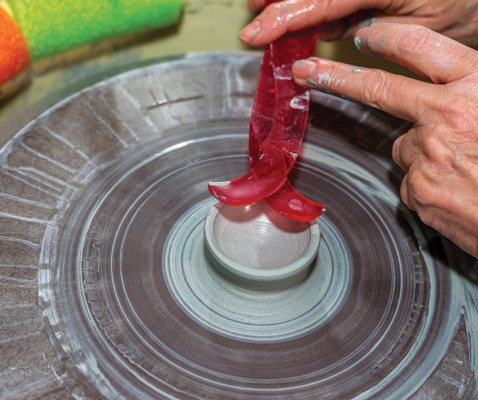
(360, 37)
(303, 69)
(363, 42)
(363, 27)
(250, 31)
(358, 41)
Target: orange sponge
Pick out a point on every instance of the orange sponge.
(14, 54)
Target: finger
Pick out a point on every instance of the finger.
(421, 192)
(395, 94)
(405, 150)
(292, 15)
(397, 151)
(347, 27)
(460, 31)
(423, 51)
(405, 193)
(256, 5)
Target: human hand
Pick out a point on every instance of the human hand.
(342, 18)
(440, 152)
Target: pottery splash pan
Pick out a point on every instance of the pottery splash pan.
(108, 290)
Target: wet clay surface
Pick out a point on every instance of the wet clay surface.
(107, 289)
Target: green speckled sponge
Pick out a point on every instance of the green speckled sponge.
(54, 26)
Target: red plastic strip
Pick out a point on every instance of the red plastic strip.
(280, 107)
(285, 200)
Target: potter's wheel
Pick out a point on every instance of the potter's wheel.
(108, 290)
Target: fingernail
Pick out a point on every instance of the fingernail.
(367, 22)
(358, 42)
(303, 69)
(332, 35)
(333, 31)
(250, 31)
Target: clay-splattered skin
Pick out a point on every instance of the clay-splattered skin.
(343, 18)
(440, 153)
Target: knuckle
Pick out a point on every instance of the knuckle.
(427, 216)
(318, 4)
(433, 149)
(280, 13)
(375, 88)
(292, 12)
(414, 40)
(275, 14)
(460, 113)
(420, 195)
(457, 116)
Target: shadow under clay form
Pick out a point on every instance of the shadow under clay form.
(256, 247)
